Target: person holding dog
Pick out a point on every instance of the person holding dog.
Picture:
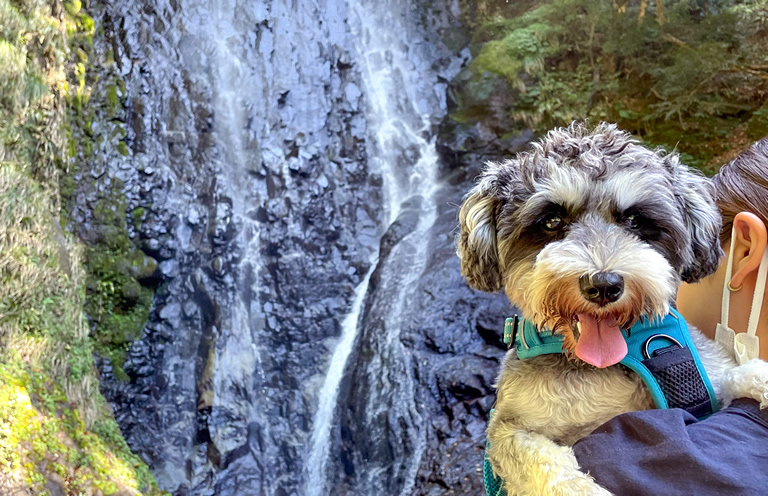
(668, 451)
(742, 196)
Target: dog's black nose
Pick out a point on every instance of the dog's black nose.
(602, 288)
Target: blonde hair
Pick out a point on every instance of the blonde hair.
(742, 185)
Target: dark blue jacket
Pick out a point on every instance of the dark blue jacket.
(669, 452)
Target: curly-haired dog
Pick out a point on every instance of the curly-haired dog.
(587, 233)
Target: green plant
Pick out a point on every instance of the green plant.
(680, 75)
(55, 427)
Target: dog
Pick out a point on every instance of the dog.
(587, 233)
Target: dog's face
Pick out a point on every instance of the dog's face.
(587, 233)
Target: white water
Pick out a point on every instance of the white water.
(321, 429)
(228, 63)
(400, 147)
(240, 361)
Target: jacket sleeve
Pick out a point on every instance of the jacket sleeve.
(657, 452)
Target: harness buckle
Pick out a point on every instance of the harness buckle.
(510, 330)
(647, 355)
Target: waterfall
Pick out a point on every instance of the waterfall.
(317, 460)
(292, 193)
(401, 146)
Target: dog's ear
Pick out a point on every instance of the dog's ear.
(476, 242)
(696, 196)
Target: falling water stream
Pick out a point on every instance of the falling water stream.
(317, 461)
(401, 147)
(309, 137)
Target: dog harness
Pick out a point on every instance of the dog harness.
(661, 352)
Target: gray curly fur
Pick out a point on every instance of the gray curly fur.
(582, 201)
(495, 208)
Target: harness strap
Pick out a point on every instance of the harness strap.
(494, 485)
(680, 382)
(661, 352)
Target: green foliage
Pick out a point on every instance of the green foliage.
(32, 83)
(57, 433)
(523, 49)
(35, 413)
(689, 75)
(117, 304)
(39, 295)
(757, 127)
(49, 401)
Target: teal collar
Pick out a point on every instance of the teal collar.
(647, 342)
(529, 341)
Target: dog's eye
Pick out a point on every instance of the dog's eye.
(553, 222)
(632, 221)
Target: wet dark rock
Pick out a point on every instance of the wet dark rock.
(55, 485)
(482, 127)
(190, 309)
(170, 311)
(403, 225)
(169, 268)
(257, 246)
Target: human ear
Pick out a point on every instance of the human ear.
(750, 237)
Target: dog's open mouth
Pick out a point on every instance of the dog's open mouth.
(600, 341)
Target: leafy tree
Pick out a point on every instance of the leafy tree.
(691, 74)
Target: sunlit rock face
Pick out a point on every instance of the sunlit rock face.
(311, 333)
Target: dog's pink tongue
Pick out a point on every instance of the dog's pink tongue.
(601, 343)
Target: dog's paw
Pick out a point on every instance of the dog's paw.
(747, 381)
(532, 465)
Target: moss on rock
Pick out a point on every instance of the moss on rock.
(121, 279)
(120, 283)
(57, 433)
